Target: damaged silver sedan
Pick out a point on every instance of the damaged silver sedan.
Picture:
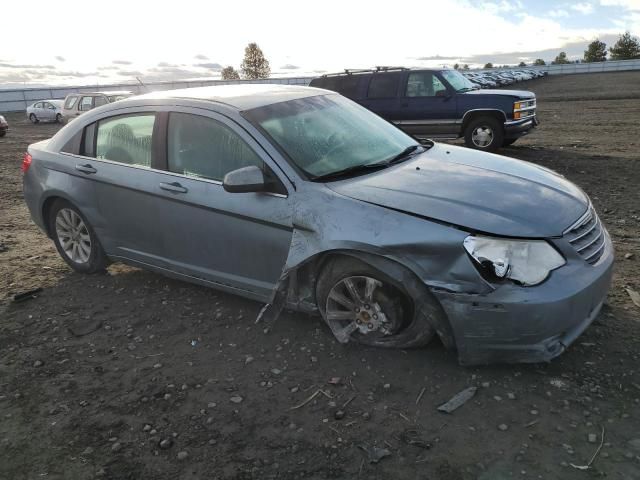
(302, 199)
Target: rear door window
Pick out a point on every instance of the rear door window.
(70, 102)
(99, 101)
(126, 139)
(205, 148)
(86, 103)
(383, 85)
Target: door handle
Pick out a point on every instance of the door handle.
(88, 169)
(174, 187)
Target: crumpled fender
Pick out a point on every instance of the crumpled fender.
(423, 254)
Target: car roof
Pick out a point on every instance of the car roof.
(242, 97)
(108, 92)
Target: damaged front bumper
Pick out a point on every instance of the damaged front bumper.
(528, 324)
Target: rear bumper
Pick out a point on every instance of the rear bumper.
(529, 324)
(518, 128)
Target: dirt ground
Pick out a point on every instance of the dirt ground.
(131, 375)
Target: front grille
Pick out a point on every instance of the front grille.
(588, 236)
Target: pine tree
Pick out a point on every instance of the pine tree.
(488, 65)
(230, 73)
(522, 64)
(596, 52)
(626, 48)
(254, 65)
(456, 66)
(539, 62)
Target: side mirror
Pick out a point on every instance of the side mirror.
(244, 180)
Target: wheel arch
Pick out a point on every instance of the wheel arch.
(471, 115)
(305, 278)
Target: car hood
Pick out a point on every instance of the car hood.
(477, 191)
(504, 93)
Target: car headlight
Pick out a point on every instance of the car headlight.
(526, 262)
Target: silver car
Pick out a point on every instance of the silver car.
(300, 198)
(46, 110)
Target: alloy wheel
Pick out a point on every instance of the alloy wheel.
(73, 235)
(482, 136)
(359, 305)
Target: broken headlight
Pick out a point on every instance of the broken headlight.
(526, 262)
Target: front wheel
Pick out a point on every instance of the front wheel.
(362, 304)
(59, 118)
(484, 133)
(74, 239)
(33, 118)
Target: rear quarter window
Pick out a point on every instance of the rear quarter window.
(70, 102)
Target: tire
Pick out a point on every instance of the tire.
(65, 220)
(33, 118)
(58, 118)
(390, 309)
(3, 133)
(484, 133)
(508, 141)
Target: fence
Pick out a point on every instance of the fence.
(19, 99)
(572, 68)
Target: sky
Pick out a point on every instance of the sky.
(92, 43)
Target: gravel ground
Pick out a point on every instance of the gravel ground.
(131, 375)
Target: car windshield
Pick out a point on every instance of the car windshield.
(115, 98)
(324, 135)
(458, 81)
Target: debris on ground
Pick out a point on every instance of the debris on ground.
(28, 295)
(375, 454)
(588, 465)
(458, 400)
(412, 437)
(635, 296)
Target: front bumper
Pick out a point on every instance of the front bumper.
(518, 128)
(529, 324)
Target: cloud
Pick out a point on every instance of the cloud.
(583, 8)
(23, 66)
(109, 67)
(130, 73)
(558, 13)
(166, 64)
(201, 57)
(60, 59)
(212, 66)
(434, 57)
(121, 62)
(289, 66)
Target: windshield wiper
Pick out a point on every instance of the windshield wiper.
(466, 89)
(402, 156)
(367, 167)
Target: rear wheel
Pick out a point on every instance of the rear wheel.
(59, 118)
(484, 133)
(362, 304)
(33, 118)
(74, 238)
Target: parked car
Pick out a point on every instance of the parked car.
(4, 126)
(439, 103)
(47, 110)
(76, 104)
(302, 198)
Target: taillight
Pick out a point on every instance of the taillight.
(26, 162)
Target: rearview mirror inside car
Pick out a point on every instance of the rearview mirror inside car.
(243, 180)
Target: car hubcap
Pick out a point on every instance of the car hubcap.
(482, 136)
(73, 236)
(356, 304)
